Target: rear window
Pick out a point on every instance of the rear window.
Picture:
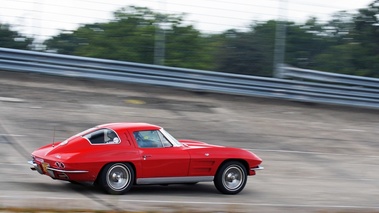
(103, 136)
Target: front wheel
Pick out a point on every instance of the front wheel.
(117, 178)
(230, 178)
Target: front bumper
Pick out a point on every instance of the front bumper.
(254, 169)
(257, 168)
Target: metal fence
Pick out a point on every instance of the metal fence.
(297, 73)
(351, 93)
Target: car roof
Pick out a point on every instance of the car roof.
(130, 126)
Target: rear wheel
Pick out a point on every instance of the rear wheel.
(231, 177)
(117, 178)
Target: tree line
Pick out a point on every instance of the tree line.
(348, 43)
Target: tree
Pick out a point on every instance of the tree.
(350, 43)
(13, 39)
(252, 52)
(366, 34)
(64, 43)
(131, 37)
(187, 47)
(247, 52)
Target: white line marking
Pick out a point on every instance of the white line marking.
(8, 99)
(18, 197)
(353, 130)
(293, 177)
(11, 135)
(314, 153)
(253, 204)
(16, 164)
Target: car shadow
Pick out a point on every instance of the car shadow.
(89, 190)
(177, 189)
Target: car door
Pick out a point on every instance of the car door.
(164, 162)
(159, 157)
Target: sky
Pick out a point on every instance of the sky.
(46, 18)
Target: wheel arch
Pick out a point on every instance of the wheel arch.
(244, 163)
(123, 162)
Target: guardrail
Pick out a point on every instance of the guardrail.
(298, 73)
(199, 80)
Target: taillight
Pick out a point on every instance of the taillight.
(60, 165)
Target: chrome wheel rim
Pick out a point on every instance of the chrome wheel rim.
(118, 177)
(233, 177)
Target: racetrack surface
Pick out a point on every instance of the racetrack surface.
(317, 158)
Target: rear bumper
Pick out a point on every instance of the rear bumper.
(52, 172)
(35, 167)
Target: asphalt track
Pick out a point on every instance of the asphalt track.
(317, 158)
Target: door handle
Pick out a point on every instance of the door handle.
(146, 156)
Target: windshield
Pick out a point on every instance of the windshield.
(170, 138)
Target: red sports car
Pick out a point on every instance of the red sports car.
(117, 156)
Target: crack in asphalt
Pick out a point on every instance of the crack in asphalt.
(99, 200)
(7, 138)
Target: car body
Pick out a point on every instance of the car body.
(117, 156)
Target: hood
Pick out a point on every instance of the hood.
(196, 144)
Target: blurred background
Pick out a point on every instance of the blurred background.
(246, 37)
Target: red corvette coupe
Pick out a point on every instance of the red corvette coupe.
(117, 156)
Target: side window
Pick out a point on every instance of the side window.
(150, 139)
(102, 136)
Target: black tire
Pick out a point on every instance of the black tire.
(231, 177)
(117, 178)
